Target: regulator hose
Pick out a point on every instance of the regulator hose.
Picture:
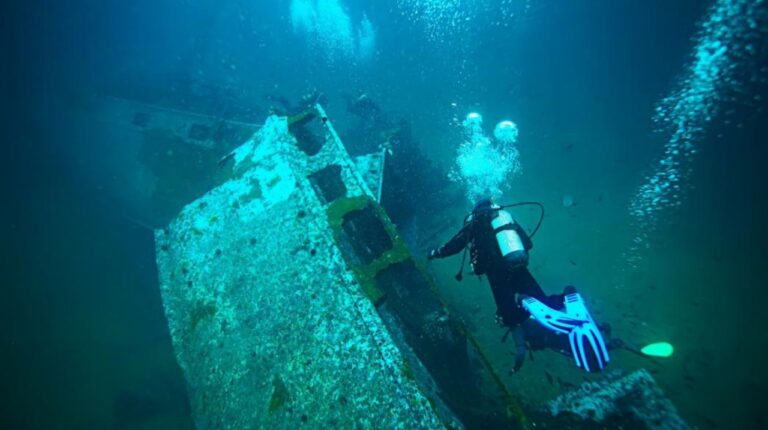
(541, 215)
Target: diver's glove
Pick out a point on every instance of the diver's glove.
(432, 254)
(584, 336)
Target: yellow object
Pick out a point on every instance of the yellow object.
(658, 349)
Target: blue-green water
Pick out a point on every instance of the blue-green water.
(641, 129)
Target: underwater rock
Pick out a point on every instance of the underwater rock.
(632, 401)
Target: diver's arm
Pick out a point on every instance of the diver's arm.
(453, 246)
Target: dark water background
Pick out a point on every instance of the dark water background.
(84, 340)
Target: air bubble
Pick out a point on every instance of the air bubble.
(724, 45)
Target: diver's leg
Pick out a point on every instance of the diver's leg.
(510, 313)
(527, 285)
(504, 291)
(518, 334)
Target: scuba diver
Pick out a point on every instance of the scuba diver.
(498, 248)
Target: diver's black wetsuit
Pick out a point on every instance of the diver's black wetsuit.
(507, 281)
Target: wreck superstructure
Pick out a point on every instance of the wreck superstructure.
(292, 300)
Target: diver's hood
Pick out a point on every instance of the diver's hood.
(482, 204)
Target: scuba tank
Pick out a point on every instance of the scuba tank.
(508, 240)
(507, 234)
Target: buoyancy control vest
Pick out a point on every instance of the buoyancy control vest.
(498, 239)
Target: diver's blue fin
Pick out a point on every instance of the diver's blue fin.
(577, 323)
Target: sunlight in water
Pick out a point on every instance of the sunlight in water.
(329, 30)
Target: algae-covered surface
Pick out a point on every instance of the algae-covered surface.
(269, 326)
